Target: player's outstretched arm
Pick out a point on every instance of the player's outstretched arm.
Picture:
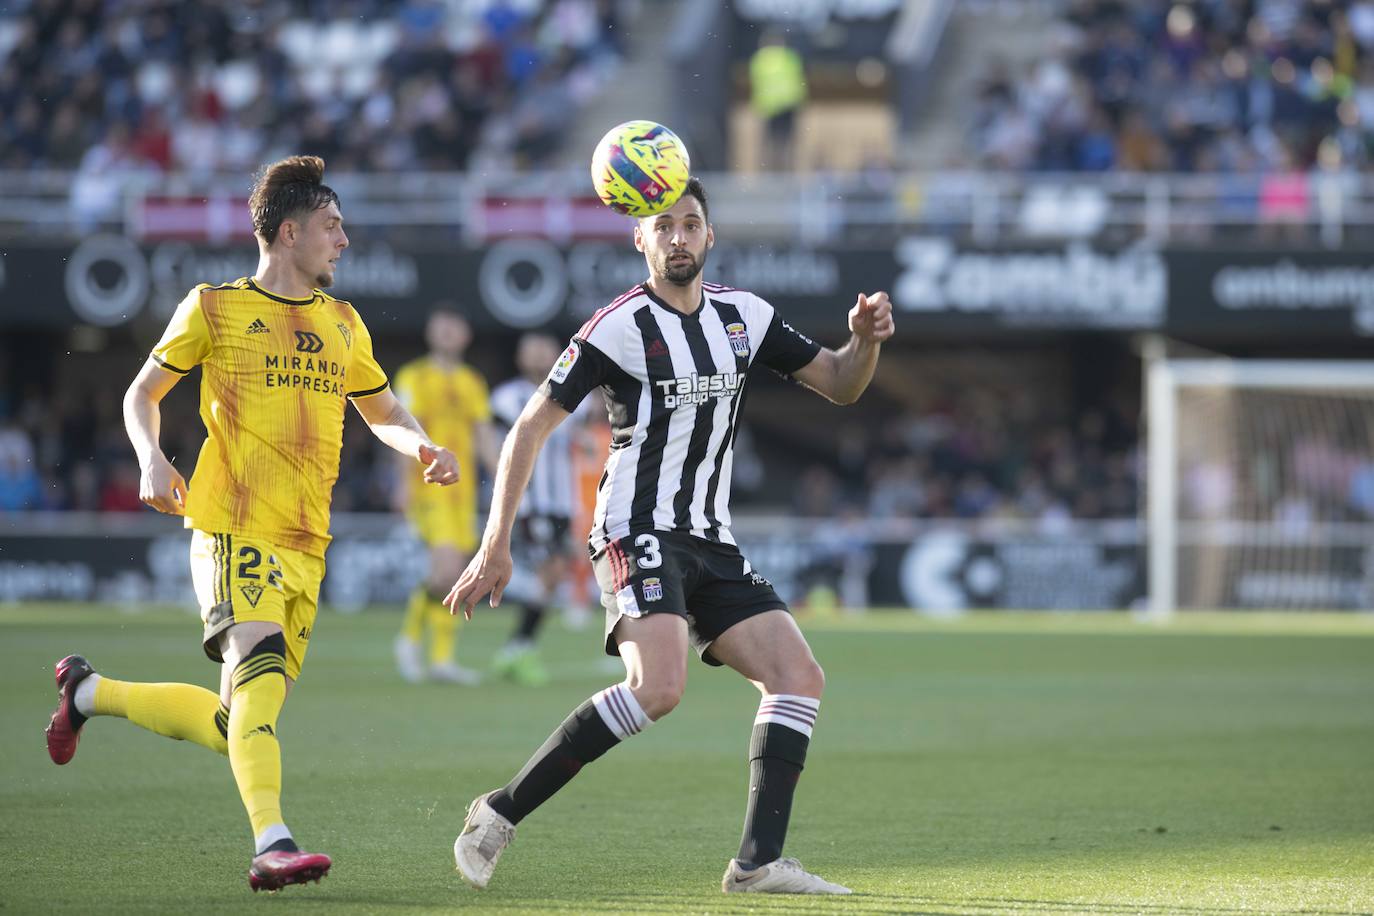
(390, 422)
(842, 375)
(490, 569)
(159, 485)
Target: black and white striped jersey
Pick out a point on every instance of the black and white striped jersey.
(551, 488)
(673, 386)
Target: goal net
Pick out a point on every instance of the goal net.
(1260, 485)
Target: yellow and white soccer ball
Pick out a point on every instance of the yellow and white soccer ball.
(640, 168)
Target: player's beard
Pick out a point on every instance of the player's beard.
(324, 279)
(684, 271)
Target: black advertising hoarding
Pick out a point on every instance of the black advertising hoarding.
(110, 280)
(940, 287)
(1272, 294)
(143, 559)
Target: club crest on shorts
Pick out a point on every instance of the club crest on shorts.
(252, 592)
(565, 363)
(739, 338)
(652, 588)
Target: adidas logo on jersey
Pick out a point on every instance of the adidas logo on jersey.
(657, 348)
(257, 327)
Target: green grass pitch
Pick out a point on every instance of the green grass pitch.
(1026, 764)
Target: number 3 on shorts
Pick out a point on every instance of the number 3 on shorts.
(651, 558)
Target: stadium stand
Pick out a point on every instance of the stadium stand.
(1256, 86)
(371, 86)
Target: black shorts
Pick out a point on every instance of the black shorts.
(668, 572)
(538, 537)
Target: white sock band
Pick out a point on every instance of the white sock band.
(271, 835)
(84, 698)
(798, 713)
(621, 711)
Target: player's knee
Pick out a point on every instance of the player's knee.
(245, 639)
(445, 566)
(815, 679)
(805, 679)
(659, 696)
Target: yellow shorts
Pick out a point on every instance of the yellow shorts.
(240, 579)
(450, 523)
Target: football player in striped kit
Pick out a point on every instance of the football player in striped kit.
(671, 358)
(544, 548)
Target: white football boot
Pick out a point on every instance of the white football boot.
(485, 836)
(408, 661)
(781, 876)
(454, 673)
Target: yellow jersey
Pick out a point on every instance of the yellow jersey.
(276, 376)
(449, 403)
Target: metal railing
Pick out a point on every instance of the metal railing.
(985, 207)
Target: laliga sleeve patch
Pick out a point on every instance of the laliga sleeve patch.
(565, 363)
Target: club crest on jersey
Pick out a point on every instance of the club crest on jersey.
(565, 363)
(653, 589)
(739, 338)
(347, 334)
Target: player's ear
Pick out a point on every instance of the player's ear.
(639, 238)
(710, 236)
(287, 232)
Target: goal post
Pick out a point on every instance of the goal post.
(1260, 484)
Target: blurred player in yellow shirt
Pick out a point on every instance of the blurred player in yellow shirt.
(450, 399)
(280, 362)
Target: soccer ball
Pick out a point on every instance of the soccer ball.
(640, 168)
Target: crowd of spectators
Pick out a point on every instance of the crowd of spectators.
(970, 451)
(67, 450)
(982, 452)
(1272, 87)
(370, 85)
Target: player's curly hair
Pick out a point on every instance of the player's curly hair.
(698, 190)
(288, 189)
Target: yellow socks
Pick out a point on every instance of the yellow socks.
(181, 711)
(443, 633)
(413, 626)
(259, 689)
(424, 611)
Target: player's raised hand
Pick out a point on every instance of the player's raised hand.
(441, 466)
(160, 486)
(871, 318)
(489, 571)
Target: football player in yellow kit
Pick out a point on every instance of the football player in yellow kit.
(450, 398)
(280, 361)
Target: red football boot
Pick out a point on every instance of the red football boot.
(64, 730)
(274, 870)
